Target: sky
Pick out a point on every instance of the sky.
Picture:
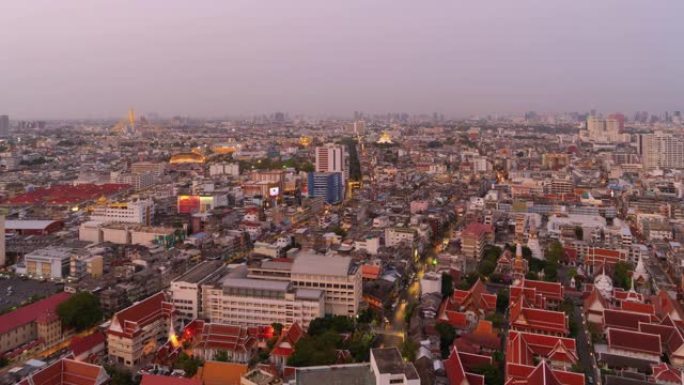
(97, 58)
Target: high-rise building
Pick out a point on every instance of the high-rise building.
(330, 158)
(604, 130)
(660, 150)
(4, 125)
(2, 241)
(328, 185)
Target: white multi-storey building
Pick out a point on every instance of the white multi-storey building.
(253, 302)
(186, 290)
(394, 236)
(141, 211)
(331, 158)
(336, 276)
(661, 150)
(232, 169)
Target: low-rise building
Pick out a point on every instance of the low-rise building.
(138, 330)
(35, 322)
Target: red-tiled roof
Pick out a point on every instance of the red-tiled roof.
(528, 319)
(68, 194)
(477, 229)
(30, 313)
(370, 271)
(664, 373)
(613, 318)
(457, 364)
(285, 345)
(634, 341)
(522, 348)
(225, 337)
(637, 307)
(133, 318)
(542, 374)
(70, 372)
(80, 345)
(153, 379)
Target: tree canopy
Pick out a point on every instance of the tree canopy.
(80, 311)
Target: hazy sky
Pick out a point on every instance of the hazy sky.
(92, 58)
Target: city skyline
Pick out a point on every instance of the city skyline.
(241, 59)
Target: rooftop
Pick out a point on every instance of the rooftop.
(321, 265)
(200, 272)
(389, 360)
(246, 283)
(353, 374)
(30, 313)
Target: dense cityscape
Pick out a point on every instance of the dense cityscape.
(381, 249)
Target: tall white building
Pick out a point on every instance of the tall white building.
(3, 259)
(661, 150)
(186, 290)
(332, 158)
(604, 130)
(254, 302)
(141, 211)
(336, 276)
(232, 169)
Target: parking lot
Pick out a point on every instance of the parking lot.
(22, 290)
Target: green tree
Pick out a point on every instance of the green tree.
(119, 376)
(189, 364)
(555, 252)
(487, 268)
(366, 316)
(622, 275)
(447, 285)
(277, 328)
(340, 324)
(409, 349)
(3, 362)
(221, 356)
(360, 346)
(81, 311)
(318, 350)
(502, 299)
(491, 373)
(447, 334)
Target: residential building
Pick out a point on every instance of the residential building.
(395, 236)
(140, 211)
(156, 168)
(32, 323)
(254, 302)
(474, 238)
(186, 290)
(661, 150)
(338, 278)
(138, 181)
(51, 262)
(389, 367)
(127, 234)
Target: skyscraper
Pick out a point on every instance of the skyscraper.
(4, 125)
(660, 150)
(328, 185)
(2, 241)
(330, 158)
